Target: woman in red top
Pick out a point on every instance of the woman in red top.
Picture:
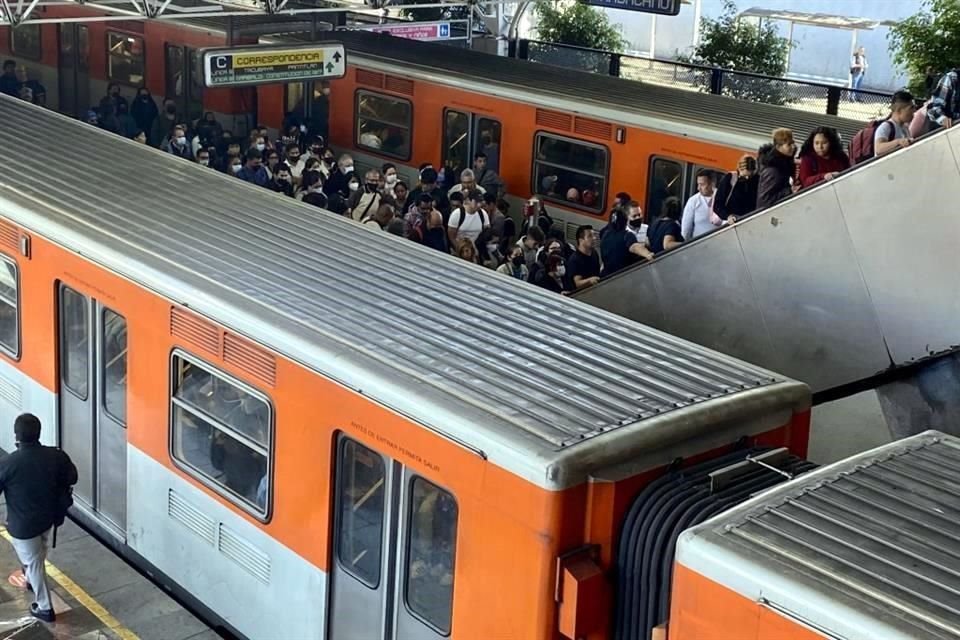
(822, 157)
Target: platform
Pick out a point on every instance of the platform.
(96, 595)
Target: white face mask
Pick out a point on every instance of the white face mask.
(205, 163)
(392, 178)
(261, 146)
(181, 140)
(348, 169)
(236, 168)
(354, 186)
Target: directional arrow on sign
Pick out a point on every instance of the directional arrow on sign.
(337, 57)
(330, 65)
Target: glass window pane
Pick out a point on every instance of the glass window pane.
(571, 172)
(83, 47)
(488, 141)
(125, 62)
(115, 365)
(456, 142)
(383, 124)
(175, 71)
(25, 41)
(666, 181)
(216, 450)
(360, 488)
(75, 350)
(430, 556)
(225, 403)
(9, 307)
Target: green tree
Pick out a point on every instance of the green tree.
(577, 24)
(730, 43)
(929, 39)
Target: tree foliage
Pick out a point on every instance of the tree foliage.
(929, 39)
(729, 43)
(578, 24)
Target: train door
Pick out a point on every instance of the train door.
(184, 82)
(73, 69)
(93, 385)
(394, 548)
(466, 134)
(670, 178)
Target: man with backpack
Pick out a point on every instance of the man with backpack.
(884, 136)
(37, 482)
(470, 221)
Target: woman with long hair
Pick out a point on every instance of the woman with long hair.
(822, 157)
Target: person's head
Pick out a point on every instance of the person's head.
(390, 175)
(209, 117)
(466, 249)
(425, 204)
(259, 143)
(472, 200)
(705, 182)
(292, 152)
(620, 201)
(573, 195)
(468, 180)
(312, 181)
(345, 163)
(234, 164)
(113, 89)
(9, 67)
(384, 215)
(26, 429)
(634, 215)
(822, 141)
(92, 117)
(203, 157)
(747, 166)
(456, 200)
(534, 237)
(326, 156)
(671, 208)
(353, 183)
(902, 107)
(143, 93)
(272, 158)
(585, 238)
(428, 178)
(480, 161)
(555, 266)
(490, 203)
(179, 135)
(140, 136)
(861, 50)
(312, 164)
(401, 191)
(292, 134)
(371, 180)
(170, 107)
(254, 157)
(396, 226)
(783, 142)
(283, 175)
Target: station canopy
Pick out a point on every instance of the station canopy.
(817, 19)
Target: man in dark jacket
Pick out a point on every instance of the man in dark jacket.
(777, 168)
(36, 481)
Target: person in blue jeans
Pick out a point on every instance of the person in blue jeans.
(858, 69)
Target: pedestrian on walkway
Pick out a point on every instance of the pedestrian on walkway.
(37, 482)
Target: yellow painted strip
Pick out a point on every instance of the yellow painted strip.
(85, 599)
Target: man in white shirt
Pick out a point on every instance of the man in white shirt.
(894, 132)
(470, 221)
(635, 223)
(696, 213)
(468, 182)
(295, 161)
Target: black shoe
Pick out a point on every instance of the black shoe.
(47, 615)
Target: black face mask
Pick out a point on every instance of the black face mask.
(517, 261)
(636, 223)
(372, 186)
(171, 109)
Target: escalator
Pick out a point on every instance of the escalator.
(836, 286)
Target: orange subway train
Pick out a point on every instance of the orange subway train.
(311, 429)
(597, 135)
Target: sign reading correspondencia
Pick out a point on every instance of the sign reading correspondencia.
(265, 64)
(662, 7)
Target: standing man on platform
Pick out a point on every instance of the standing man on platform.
(37, 481)
(858, 69)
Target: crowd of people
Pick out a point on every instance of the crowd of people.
(464, 212)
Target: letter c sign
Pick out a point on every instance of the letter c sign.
(221, 62)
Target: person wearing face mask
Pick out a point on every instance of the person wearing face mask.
(390, 178)
(364, 202)
(312, 183)
(295, 160)
(164, 123)
(282, 181)
(259, 143)
(253, 171)
(272, 160)
(327, 161)
(515, 265)
(338, 179)
(619, 247)
(233, 164)
(203, 157)
(144, 109)
(553, 275)
(178, 143)
(553, 247)
(113, 92)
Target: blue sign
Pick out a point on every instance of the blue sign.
(660, 7)
(444, 29)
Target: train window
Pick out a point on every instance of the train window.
(488, 141)
(125, 59)
(570, 171)
(222, 433)
(9, 307)
(384, 124)
(360, 492)
(430, 554)
(75, 346)
(456, 142)
(25, 41)
(115, 365)
(666, 181)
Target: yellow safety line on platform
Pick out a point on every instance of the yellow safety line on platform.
(85, 599)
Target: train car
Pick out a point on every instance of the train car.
(309, 429)
(572, 138)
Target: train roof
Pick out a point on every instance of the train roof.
(719, 119)
(864, 548)
(544, 386)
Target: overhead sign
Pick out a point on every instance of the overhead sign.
(258, 64)
(660, 7)
(414, 30)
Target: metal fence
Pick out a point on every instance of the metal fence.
(796, 94)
